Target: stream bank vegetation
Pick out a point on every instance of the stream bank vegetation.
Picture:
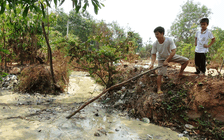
(111, 55)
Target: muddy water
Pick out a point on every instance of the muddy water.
(39, 117)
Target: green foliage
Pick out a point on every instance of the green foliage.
(145, 52)
(29, 5)
(78, 5)
(118, 32)
(175, 103)
(201, 106)
(185, 26)
(2, 74)
(61, 20)
(81, 25)
(136, 38)
(62, 43)
(210, 125)
(5, 51)
(216, 51)
(20, 33)
(100, 52)
(185, 49)
(26, 4)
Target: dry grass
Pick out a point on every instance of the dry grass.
(37, 77)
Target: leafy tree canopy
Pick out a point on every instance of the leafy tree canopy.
(39, 5)
(217, 49)
(185, 25)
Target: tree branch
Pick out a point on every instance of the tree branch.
(112, 87)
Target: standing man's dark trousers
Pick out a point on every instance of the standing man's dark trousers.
(200, 62)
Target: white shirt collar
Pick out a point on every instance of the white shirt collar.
(205, 31)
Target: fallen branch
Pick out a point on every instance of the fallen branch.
(112, 87)
(21, 117)
(6, 105)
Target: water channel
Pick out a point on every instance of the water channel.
(40, 117)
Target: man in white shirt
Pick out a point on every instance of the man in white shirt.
(201, 40)
(166, 53)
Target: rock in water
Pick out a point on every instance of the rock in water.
(146, 120)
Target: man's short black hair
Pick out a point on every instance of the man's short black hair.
(159, 29)
(204, 20)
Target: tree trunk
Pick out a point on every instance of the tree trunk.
(4, 47)
(50, 55)
(21, 49)
(48, 52)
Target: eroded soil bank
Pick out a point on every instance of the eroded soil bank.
(43, 117)
(192, 100)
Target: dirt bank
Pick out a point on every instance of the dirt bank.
(193, 100)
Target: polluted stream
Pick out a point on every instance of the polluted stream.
(43, 117)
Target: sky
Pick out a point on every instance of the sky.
(143, 16)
